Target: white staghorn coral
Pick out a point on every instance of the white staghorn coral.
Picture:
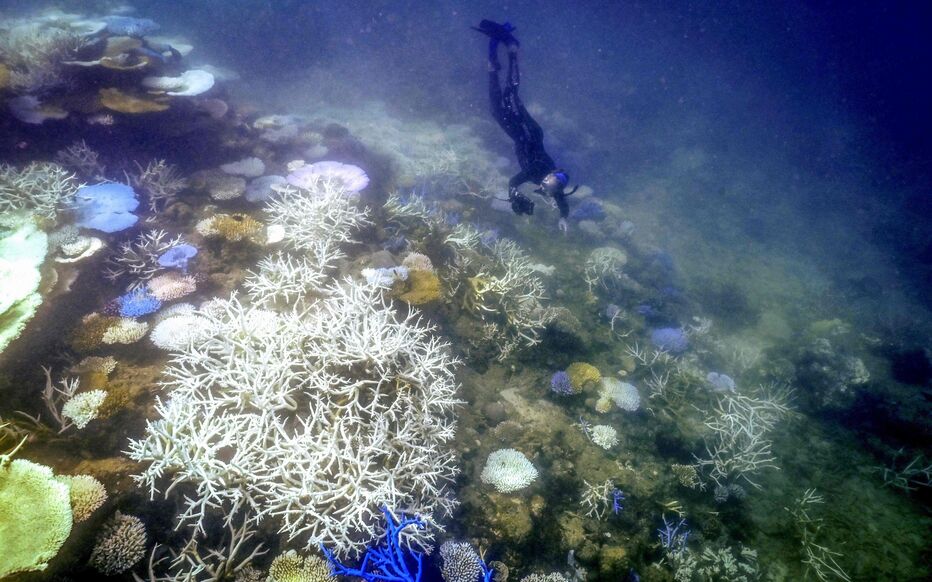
(314, 418)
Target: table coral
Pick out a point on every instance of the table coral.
(35, 515)
(232, 227)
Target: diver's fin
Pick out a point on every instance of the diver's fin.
(496, 31)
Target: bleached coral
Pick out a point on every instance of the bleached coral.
(83, 408)
(175, 333)
(140, 257)
(119, 545)
(461, 563)
(125, 331)
(87, 495)
(604, 436)
(35, 51)
(604, 267)
(41, 188)
(322, 415)
(497, 283)
(286, 277)
(291, 567)
(621, 394)
(508, 470)
(159, 181)
(171, 286)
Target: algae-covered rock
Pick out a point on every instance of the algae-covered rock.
(35, 516)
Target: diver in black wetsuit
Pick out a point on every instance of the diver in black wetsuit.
(536, 165)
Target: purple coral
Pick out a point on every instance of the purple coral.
(670, 339)
(560, 384)
(673, 535)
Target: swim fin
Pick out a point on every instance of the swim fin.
(496, 31)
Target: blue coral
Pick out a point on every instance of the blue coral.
(673, 535)
(106, 207)
(388, 562)
(138, 302)
(670, 339)
(177, 257)
(560, 384)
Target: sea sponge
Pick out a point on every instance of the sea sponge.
(422, 287)
(121, 102)
(120, 544)
(291, 567)
(87, 495)
(231, 227)
(583, 375)
(35, 516)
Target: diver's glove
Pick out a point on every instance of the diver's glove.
(520, 204)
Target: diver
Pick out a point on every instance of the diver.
(508, 110)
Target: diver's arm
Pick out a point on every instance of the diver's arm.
(562, 205)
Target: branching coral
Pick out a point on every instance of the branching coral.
(84, 160)
(35, 52)
(140, 257)
(313, 419)
(498, 283)
(159, 181)
(40, 188)
(739, 446)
